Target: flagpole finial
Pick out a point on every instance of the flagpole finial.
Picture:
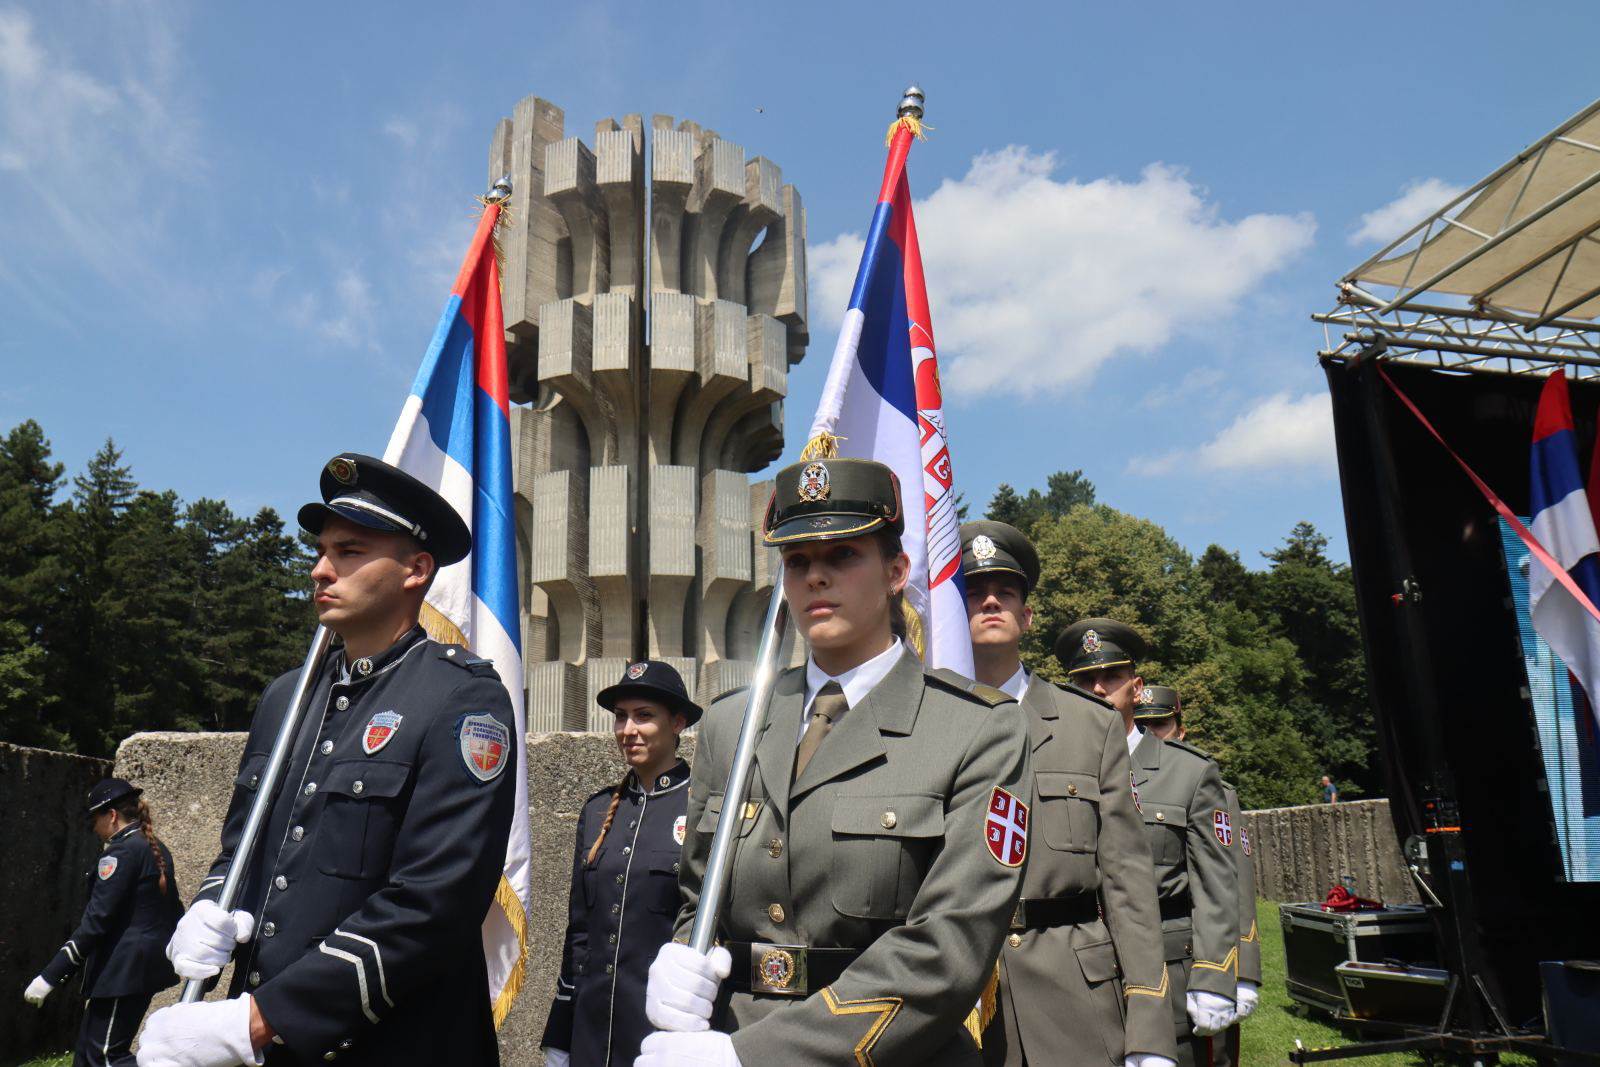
(911, 104)
(501, 191)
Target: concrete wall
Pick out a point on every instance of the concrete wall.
(1302, 852)
(48, 854)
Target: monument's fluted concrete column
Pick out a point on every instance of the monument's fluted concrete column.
(649, 357)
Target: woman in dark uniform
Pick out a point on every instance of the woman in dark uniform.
(120, 944)
(624, 876)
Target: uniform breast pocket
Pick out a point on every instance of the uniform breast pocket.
(661, 890)
(882, 848)
(360, 817)
(712, 815)
(1165, 824)
(1069, 810)
(249, 779)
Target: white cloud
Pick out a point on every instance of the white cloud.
(403, 131)
(1278, 432)
(1038, 280)
(1417, 200)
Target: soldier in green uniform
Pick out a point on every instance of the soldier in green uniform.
(880, 852)
(1209, 938)
(1084, 955)
(1169, 727)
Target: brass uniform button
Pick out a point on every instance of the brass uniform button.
(1161, 816)
(775, 847)
(889, 819)
(775, 913)
(1072, 789)
(1015, 940)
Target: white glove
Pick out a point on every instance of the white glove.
(1147, 1059)
(556, 1057)
(203, 942)
(1248, 993)
(37, 990)
(213, 1033)
(1210, 1013)
(683, 987)
(708, 1048)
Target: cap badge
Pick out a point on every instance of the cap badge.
(983, 548)
(343, 470)
(636, 671)
(1147, 695)
(814, 483)
(380, 731)
(363, 665)
(1091, 641)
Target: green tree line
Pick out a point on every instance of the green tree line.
(123, 609)
(1267, 662)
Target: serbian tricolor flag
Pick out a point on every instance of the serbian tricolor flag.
(882, 401)
(1564, 525)
(454, 434)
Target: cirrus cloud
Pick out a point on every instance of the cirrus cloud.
(1277, 432)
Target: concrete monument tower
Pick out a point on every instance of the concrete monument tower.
(650, 325)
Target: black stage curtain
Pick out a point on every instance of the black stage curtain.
(1448, 683)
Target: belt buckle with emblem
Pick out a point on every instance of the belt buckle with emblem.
(779, 969)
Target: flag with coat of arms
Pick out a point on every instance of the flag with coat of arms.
(454, 434)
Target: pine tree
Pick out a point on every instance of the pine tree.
(30, 577)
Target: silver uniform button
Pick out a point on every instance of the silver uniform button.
(269, 929)
(311, 788)
(280, 883)
(330, 1055)
(255, 978)
(342, 703)
(327, 747)
(298, 832)
(449, 651)
(627, 849)
(357, 788)
(255, 780)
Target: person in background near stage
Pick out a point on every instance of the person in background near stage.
(1084, 956)
(1330, 793)
(1162, 714)
(880, 851)
(359, 925)
(624, 893)
(1179, 792)
(133, 907)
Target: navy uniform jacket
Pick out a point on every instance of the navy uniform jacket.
(379, 859)
(121, 941)
(620, 913)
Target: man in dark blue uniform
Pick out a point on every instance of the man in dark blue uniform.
(133, 906)
(358, 928)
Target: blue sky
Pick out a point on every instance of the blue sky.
(226, 230)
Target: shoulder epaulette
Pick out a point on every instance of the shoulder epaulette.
(463, 658)
(1072, 690)
(1191, 749)
(949, 680)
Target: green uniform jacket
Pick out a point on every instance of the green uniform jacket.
(1180, 793)
(1249, 940)
(1060, 985)
(879, 846)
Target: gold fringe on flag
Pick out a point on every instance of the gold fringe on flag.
(439, 627)
(983, 1013)
(918, 128)
(823, 446)
(504, 219)
(506, 897)
(914, 634)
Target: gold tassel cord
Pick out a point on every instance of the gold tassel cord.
(918, 128)
(914, 632)
(511, 905)
(503, 220)
(983, 1013)
(823, 446)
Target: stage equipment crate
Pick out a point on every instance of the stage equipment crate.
(1315, 942)
(1394, 992)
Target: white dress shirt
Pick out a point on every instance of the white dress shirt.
(1017, 684)
(1135, 735)
(856, 682)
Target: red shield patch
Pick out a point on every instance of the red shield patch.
(380, 728)
(107, 867)
(485, 746)
(1222, 826)
(1006, 828)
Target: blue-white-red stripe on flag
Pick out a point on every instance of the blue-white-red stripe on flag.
(882, 401)
(454, 434)
(1564, 524)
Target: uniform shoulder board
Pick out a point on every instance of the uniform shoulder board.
(1084, 694)
(464, 659)
(723, 696)
(1191, 750)
(949, 680)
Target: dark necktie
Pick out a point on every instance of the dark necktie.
(826, 711)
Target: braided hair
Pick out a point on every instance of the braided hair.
(134, 809)
(611, 814)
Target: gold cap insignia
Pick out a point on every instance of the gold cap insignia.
(1091, 641)
(814, 483)
(983, 548)
(343, 470)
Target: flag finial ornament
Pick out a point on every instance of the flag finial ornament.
(909, 114)
(501, 192)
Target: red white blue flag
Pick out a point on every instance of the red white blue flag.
(1564, 524)
(454, 434)
(882, 401)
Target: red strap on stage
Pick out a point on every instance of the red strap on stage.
(1539, 552)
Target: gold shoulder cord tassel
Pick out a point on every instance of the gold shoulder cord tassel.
(983, 1013)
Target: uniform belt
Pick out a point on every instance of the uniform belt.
(1176, 907)
(786, 970)
(1041, 913)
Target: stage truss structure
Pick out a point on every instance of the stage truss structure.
(1503, 279)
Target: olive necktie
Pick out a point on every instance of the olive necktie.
(826, 711)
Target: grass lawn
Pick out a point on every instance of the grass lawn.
(63, 1060)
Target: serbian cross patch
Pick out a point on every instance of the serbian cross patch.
(1006, 828)
(380, 730)
(1222, 826)
(485, 746)
(1244, 840)
(679, 826)
(108, 867)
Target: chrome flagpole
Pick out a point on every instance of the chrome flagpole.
(713, 887)
(267, 790)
